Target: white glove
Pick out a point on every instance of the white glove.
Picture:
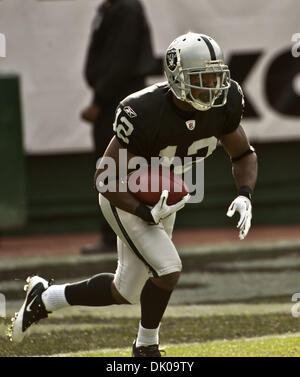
(244, 207)
(161, 210)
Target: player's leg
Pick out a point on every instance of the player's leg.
(105, 288)
(133, 283)
(151, 244)
(43, 298)
(131, 274)
(154, 299)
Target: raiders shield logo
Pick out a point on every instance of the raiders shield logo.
(190, 124)
(171, 58)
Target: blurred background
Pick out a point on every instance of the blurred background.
(46, 161)
(48, 204)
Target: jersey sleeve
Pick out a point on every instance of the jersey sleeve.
(235, 108)
(128, 131)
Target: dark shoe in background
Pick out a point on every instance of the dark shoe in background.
(146, 351)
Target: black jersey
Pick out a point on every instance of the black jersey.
(149, 124)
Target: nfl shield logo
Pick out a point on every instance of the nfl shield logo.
(190, 124)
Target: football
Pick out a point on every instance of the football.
(147, 184)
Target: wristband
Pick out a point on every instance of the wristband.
(144, 213)
(246, 191)
(238, 158)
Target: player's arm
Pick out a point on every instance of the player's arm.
(118, 193)
(243, 157)
(244, 170)
(107, 175)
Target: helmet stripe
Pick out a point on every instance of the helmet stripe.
(210, 47)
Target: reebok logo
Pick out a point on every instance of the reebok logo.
(130, 112)
(2, 46)
(2, 306)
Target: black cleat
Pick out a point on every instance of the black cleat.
(146, 351)
(32, 309)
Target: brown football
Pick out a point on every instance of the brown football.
(147, 184)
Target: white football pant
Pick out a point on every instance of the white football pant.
(143, 250)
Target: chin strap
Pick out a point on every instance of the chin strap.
(198, 106)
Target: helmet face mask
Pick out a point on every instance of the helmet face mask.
(195, 69)
(204, 94)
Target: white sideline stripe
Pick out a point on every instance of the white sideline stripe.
(106, 350)
(163, 346)
(172, 311)
(273, 336)
(7, 263)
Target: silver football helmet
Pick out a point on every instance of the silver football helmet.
(195, 69)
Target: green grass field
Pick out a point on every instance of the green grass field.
(217, 330)
(229, 303)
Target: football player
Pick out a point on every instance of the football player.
(154, 123)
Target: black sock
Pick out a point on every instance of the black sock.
(154, 301)
(95, 291)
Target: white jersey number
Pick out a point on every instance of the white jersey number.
(169, 153)
(122, 127)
